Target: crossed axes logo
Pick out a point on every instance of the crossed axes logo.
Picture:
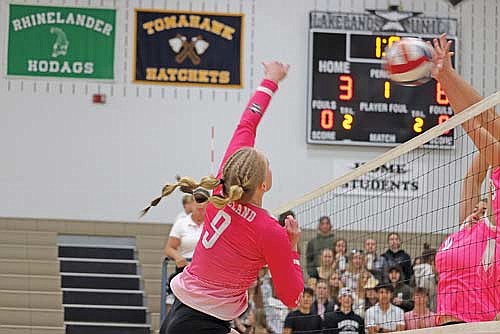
(185, 48)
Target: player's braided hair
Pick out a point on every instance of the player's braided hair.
(243, 172)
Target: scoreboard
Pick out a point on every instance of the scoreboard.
(351, 100)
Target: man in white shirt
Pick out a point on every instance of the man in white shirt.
(384, 317)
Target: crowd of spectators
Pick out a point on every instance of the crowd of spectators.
(350, 290)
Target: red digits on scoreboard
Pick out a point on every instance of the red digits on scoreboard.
(327, 119)
(441, 98)
(345, 87)
(442, 119)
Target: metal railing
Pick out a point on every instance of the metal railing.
(164, 284)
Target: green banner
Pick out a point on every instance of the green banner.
(61, 42)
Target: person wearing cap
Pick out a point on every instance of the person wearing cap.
(303, 320)
(371, 296)
(355, 269)
(360, 294)
(384, 317)
(402, 291)
(344, 320)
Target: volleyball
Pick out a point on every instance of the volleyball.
(408, 62)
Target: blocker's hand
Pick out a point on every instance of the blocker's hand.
(275, 71)
(441, 56)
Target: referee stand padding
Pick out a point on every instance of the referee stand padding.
(492, 327)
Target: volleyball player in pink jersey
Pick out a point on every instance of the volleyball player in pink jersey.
(468, 286)
(239, 236)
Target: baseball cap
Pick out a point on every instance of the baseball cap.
(345, 292)
(371, 283)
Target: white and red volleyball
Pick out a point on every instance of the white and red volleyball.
(409, 62)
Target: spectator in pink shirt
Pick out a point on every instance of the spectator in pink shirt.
(421, 316)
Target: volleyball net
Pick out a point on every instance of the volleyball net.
(421, 194)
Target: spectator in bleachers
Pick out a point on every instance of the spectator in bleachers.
(334, 286)
(254, 323)
(325, 268)
(321, 303)
(375, 263)
(275, 310)
(324, 239)
(311, 282)
(425, 274)
(421, 316)
(360, 294)
(187, 206)
(396, 256)
(384, 317)
(371, 296)
(355, 268)
(402, 291)
(255, 301)
(344, 320)
(340, 255)
(302, 320)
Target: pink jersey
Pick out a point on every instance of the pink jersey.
(238, 241)
(462, 263)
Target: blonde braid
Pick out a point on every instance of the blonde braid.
(246, 169)
(243, 172)
(237, 177)
(186, 184)
(235, 193)
(209, 182)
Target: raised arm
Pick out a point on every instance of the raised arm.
(280, 253)
(246, 130)
(483, 130)
(471, 188)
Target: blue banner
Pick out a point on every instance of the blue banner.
(193, 48)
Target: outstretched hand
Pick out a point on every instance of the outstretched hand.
(293, 229)
(275, 71)
(441, 56)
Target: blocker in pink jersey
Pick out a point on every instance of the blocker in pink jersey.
(461, 291)
(464, 261)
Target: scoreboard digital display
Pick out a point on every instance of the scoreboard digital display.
(352, 101)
